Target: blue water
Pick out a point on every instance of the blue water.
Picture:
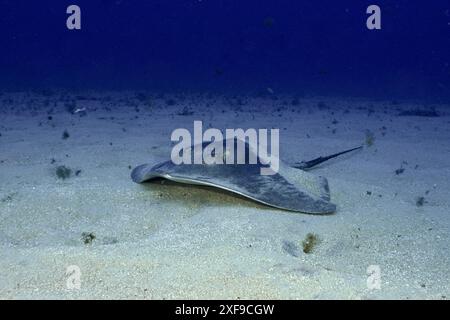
(301, 47)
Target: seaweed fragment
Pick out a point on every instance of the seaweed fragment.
(310, 242)
(420, 201)
(63, 172)
(65, 135)
(87, 237)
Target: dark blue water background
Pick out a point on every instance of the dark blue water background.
(234, 46)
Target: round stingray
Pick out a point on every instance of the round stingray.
(289, 189)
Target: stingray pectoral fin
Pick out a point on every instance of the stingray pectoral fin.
(146, 172)
(288, 188)
(274, 191)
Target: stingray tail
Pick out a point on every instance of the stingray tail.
(312, 163)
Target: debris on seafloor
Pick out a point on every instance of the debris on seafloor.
(63, 172)
(420, 201)
(87, 237)
(310, 242)
(186, 112)
(370, 138)
(431, 113)
(65, 135)
(171, 102)
(9, 197)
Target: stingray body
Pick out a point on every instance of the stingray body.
(291, 188)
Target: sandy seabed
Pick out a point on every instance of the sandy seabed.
(167, 241)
